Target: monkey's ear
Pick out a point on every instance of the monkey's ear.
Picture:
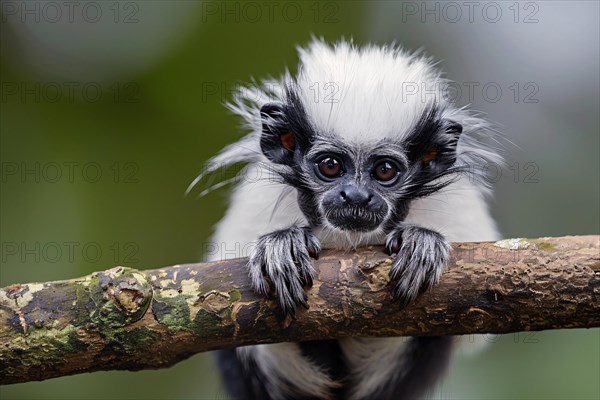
(277, 140)
(441, 153)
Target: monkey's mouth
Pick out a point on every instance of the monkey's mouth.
(356, 219)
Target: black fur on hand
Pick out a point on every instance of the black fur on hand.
(421, 257)
(280, 266)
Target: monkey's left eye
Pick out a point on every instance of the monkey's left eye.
(330, 167)
(385, 171)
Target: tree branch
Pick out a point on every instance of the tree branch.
(127, 319)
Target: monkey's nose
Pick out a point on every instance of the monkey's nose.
(355, 196)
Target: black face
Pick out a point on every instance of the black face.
(351, 197)
(357, 189)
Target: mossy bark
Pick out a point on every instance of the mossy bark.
(130, 319)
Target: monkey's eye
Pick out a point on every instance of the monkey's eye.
(385, 171)
(330, 167)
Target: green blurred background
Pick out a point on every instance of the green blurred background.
(108, 110)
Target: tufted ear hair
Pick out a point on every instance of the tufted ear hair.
(433, 142)
(441, 153)
(277, 141)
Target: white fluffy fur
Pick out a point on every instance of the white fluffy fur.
(368, 94)
(371, 106)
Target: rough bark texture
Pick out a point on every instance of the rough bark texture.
(129, 319)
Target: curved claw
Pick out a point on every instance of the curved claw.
(392, 245)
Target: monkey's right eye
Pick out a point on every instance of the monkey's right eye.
(330, 167)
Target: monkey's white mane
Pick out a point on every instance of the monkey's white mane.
(360, 94)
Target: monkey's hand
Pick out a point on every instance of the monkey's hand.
(421, 257)
(280, 266)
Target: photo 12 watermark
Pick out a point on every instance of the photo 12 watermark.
(24, 92)
(266, 91)
(69, 252)
(270, 12)
(27, 172)
(72, 12)
(453, 12)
